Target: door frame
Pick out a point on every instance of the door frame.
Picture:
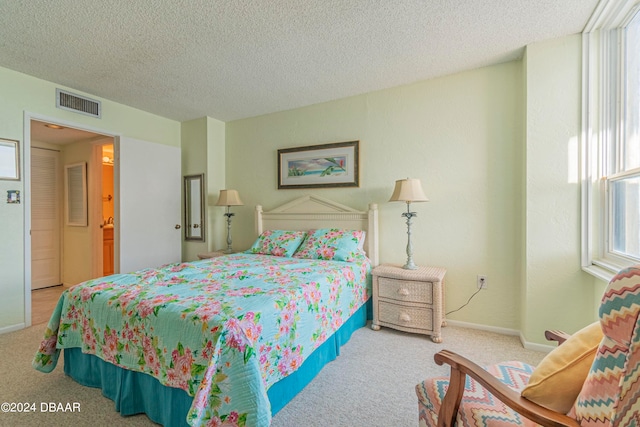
(95, 207)
(26, 196)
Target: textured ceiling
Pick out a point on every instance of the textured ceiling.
(232, 59)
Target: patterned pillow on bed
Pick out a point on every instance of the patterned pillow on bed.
(332, 244)
(277, 242)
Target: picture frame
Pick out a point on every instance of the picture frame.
(9, 159)
(317, 166)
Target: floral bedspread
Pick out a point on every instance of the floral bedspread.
(224, 330)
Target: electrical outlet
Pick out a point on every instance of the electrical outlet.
(482, 281)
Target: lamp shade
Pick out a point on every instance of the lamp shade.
(229, 198)
(408, 190)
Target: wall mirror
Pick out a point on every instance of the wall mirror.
(194, 207)
(9, 159)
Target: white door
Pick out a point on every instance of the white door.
(45, 218)
(147, 178)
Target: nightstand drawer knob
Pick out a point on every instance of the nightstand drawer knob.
(404, 317)
(403, 291)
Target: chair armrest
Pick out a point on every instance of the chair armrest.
(555, 335)
(461, 367)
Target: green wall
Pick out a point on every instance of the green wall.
(557, 293)
(462, 135)
(496, 150)
(203, 151)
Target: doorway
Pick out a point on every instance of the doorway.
(63, 255)
(147, 208)
(108, 210)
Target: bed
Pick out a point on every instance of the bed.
(229, 340)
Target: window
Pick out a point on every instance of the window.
(611, 149)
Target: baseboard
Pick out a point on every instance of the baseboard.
(12, 328)
(504, 331)
(545, 348)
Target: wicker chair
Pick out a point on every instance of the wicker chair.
(609, 396)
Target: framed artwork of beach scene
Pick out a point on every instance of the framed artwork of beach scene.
(326, 165)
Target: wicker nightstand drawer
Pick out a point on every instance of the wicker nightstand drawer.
(405, 290)
(406, 317)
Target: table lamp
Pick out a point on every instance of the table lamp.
(229, 198)
(408, 190)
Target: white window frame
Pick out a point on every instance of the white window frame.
(602, 88)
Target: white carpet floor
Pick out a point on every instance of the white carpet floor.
(370, 384)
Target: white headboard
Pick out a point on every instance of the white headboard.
(310, 212)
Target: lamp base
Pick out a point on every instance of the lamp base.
(228, 215)
(410, 266)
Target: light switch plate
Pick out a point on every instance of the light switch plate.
(13, 196)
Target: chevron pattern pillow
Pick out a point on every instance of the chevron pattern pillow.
(611, 394)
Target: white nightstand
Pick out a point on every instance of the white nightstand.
(213, 254)
(409, 300)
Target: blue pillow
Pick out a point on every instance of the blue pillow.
(277, 242)
(332, 244)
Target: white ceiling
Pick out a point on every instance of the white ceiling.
(65, 135)
(185, 59)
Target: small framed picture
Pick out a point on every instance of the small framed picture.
(9, 159)
(327, 165)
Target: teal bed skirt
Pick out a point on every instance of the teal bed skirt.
(135, 392)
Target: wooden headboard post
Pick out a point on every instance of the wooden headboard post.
(311, 212)
(372, 234)
(259, 228)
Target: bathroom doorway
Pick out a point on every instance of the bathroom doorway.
(108, 210)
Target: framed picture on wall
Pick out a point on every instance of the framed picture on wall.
(326, 165)
(9, 159)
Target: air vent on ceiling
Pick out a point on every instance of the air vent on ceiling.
(79, 104)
